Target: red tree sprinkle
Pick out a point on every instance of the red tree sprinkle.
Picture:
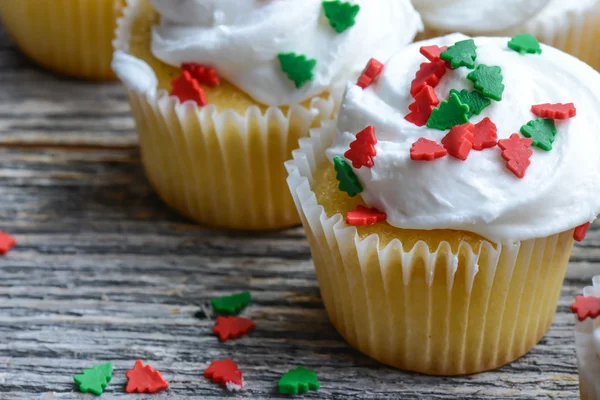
(428, 74)
(581, 232)
(7, 242)
(426, 150)
(187, 88)
(422, 107)
(459, 141)
(554, 111)
(232, 327)
(204, 74)
(517, 151)
(144, 379)
(362, 149)
(362, 215)
(586, 307)
(432, 53)
(370, 73)
(223, 372)
(485, 135)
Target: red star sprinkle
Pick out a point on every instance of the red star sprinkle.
(580, 232)
(432, 53)
(586, 307)
(485, 135)
(187, 88)
(459, 141)
(362, 215)
(422, 107)
(370, 73)
(7, 242)
(204, 74)
(224, 372)
(428, 74)
(362, 149)
(232, 327)
(426, 150)
(517, 151)
(144, 379)
(554, 111)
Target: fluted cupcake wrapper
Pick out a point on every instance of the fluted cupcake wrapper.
(71, 37)
(440, 312)
(588, 361)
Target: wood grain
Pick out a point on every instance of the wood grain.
(105, 272)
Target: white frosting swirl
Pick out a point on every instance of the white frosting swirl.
(242, 38)
(561, 188)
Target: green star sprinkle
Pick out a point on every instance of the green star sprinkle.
(299, 380)
(525, 43)
(231, 304)
(94, 380)
(450, 113)
(488, 80)
(461, 54)
(345, 175)
(341, 15)
(297, 67)
(542, 131)
(475, 100)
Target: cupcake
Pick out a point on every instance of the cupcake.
(587, 340)
(70, 37)
(221, 91)
(572, 26)
(442, 204)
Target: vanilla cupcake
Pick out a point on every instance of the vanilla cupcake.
(572, 26)
(442, 205)
(71, 37)
(221, 91)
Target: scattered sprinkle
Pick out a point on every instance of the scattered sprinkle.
(341, 15)
(297, 67)
(345, 175)
(525, 43)
(461, 54)
(204, 74)
(370, 73)
(94, 380)
(426, 150)
(362, 149)
(581, 232)
(459, 141)
(362, 216)
(485, 135)
(421, 108)
(428, 74)
(225, 372)
(450, 113)
(554, 111)
(517, 151)
(231, 304)
(432, 53)
(475, 100)
(299, 380)
(586, 307)
(7, 242)
(144, 379)
(488, 80)
(232, 327)
(186, 88)
(542, 131)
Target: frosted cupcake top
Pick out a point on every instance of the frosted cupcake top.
(528, 172)
(326, 43)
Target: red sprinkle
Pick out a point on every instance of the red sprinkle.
(362, 215)
(554, 111)
(223, 372)
(581, 232)
(485, 135)
(422, 107)
(428, 74)
(370, 73)
(204, 74)
(144, 379)
(586, 307)
(232, 327)
(459, 141)
(432, 53)
(426, 150)
(187, 88)
(517, 151)
(7, 242)
(362, 149)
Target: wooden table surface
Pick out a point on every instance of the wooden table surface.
(104, 271)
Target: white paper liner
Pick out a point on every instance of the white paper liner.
(588, 360)
(360, 283)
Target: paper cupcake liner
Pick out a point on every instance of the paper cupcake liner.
(588, 361)
(439, 312)
(219, 167)
(71, 37)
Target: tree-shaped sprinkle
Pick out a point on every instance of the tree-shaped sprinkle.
(297, 67)
(525, 43)
(475, 100)
(231, 304)
(542, 131)
(94, 380)
(299, 380)
(345, 175)
(450, 113)
(488, 80)
(341, 15)
(461, 54)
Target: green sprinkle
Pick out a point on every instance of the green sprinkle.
(488, 80)
(299, 380)
(525, 43)
(345, 175)
(475, 100)
(94, 380)
(231, 304)
(297, 67)
(341, 15)
(542, 131)
(450, 113)
(461, 54)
